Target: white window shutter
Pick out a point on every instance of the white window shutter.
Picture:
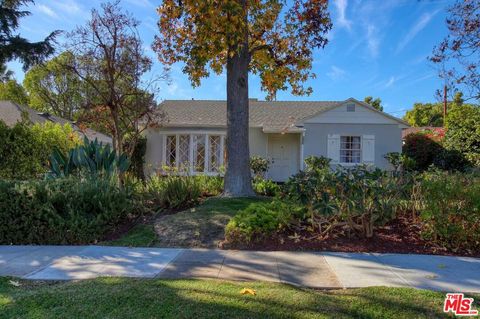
(333, 147)
(368, 148)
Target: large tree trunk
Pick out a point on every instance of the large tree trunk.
(238, 181)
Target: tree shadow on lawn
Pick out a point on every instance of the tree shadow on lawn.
(144, 298)
(202, 226)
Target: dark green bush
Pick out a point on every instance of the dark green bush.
(137, 160)
(265, 187)
(61, 211)
(450, 209)
(421, 147)
(25, 150)
(258, 221)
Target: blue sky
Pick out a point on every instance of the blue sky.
(377, 47)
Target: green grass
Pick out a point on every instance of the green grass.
(153, 298)
(202, 226)
(139, 236)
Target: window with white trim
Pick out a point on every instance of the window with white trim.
(199, 153)
(183, 151)
(195, 153)
(171, 150)
(350, 149)
(215, 153)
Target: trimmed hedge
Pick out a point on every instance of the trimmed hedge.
(61, 211)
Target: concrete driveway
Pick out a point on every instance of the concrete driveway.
(309, 269)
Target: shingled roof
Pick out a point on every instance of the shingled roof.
(272, 116)
(11, 113)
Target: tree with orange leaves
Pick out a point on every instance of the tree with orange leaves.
(272, 38)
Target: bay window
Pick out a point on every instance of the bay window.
(195, 153)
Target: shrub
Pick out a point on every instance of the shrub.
(61, 211)
(25, 150)
(400, 162)
(314, 163)
(260, 220)
(259, 166)
(357, 199)
(463, 132)
(174, 191)
(450, 160)
(422, 148)
(451, 209)
(209, 185)
(265, 187)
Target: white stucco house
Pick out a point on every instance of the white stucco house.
(192, 135)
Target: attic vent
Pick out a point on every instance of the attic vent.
(350, 107)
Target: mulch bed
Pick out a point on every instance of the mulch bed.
(398, 236)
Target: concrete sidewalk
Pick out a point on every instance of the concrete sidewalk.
(308, 269)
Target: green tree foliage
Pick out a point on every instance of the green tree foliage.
(376, 103)
(425, 114)
(25, 150)
(12, 45)
(463, 131)
(12, 91)
(5, 73)
(54, 88)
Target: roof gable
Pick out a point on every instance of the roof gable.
(363, 114)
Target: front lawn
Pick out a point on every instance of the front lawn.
(147, 298)
(201, 226)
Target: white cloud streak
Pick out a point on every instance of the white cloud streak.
(342, 20)
(336, 73)
(47, 10)
(415, 29)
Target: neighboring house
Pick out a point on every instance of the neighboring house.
(349, 132)
(11, 113)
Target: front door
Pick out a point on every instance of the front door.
(283, 153)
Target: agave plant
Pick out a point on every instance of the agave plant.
(93, 157)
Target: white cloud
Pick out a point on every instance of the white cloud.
(68, 6)
(47, 10)
(336, 73)
(416, 28)
(141, 3)
(342, 20)
(390, 82)
(373, 41)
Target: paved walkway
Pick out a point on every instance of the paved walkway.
(309, 269)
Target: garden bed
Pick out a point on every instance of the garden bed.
(401, 235)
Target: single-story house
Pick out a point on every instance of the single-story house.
(192, 135)
(11, 113)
